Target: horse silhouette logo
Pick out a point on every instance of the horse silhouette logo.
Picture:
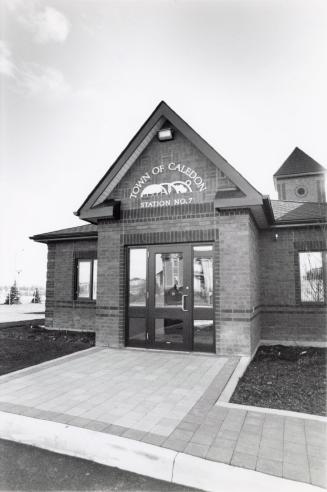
(155, 189)
(166, 188)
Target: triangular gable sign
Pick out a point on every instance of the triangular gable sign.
(137, 145)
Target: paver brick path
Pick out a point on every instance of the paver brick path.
(169, 400)
(139, 390)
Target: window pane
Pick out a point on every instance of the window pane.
(168, 331)
(84, 276)
(202, 248)
(169, 279)
(202, 281)
(95, 278)
(137, 277)
(203, 335)
(137, 329)
(312, 285)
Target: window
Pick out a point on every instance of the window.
(313, 276)
(301, 191)
(137, 276)
(321, 191)
(86, 285)
(281, 189)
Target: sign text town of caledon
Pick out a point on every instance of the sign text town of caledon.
(164, 189)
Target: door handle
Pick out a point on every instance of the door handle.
(184, 296)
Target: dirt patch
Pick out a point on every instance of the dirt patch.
(24, 346)
(287, 378)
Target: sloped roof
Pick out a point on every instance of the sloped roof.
(162, 113)
(298, 162)
(290, 212)
(88, 230)
(284, 212)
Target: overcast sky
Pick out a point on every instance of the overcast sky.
(78, 79)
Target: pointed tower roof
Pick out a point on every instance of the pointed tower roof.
(298, 162)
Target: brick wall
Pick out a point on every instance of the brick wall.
(62, 310)
(180, 151)
(256, 279)
(235, 241)
(255, 284)
(283, 316)
(110, 286)
(144, 230)
(239, 330)
(236, 289)
(49, 294)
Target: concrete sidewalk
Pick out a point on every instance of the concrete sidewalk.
(167, 400)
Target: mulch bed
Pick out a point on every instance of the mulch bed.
(287, 378)
(24, 346)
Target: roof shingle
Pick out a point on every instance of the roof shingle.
(87, 230)
(290, 212)
(298, 162)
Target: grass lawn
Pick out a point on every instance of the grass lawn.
(24, 346)
(288, 378)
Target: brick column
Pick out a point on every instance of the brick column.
(107, 311)
(49, 295)
(238, 333)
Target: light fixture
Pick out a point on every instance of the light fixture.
(165, 134)
(276, 237)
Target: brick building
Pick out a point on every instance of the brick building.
(181, 252)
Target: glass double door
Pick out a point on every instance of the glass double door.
(170, 297)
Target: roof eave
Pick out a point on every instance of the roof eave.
(46, 238)
(311, 173)
(299, 223)
(267, 207)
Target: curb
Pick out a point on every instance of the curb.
(295, 343)
(231, 384)
(274, 411)
(142, 458)
(106, 449)
(227, 393)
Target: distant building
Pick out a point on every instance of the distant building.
(181, 252)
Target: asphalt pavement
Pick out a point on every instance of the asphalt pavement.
(26, 468)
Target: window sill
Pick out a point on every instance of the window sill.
(92, 302)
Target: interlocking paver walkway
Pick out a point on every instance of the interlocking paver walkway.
(141, 391)
(170, 400)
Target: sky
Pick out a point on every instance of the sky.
(78, 79)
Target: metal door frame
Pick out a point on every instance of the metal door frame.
(183, 312)
(149, 312)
